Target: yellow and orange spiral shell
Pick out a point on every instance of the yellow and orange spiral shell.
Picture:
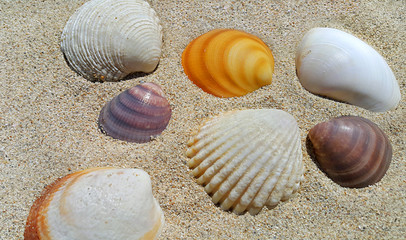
(228, 63)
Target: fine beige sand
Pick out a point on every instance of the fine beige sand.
(48, 121)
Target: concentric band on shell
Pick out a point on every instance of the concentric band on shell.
(352, 151)
(137, 114)
(248, 159)
(105, 40)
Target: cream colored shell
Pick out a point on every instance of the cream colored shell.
(99, 203)
(248, 159)
(105, 40)
(337, 65)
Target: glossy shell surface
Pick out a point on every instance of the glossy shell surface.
(105, 40)
(248, 159)
(137, 114)
(339, 66)
(228, 63)
(98, 203)
(352, 151)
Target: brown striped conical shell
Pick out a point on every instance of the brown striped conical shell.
(352, 151)
(137, 114)
(97, 203)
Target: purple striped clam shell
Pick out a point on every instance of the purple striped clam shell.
(353, 151)
(137, 114)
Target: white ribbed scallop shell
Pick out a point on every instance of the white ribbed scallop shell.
(248, 159)
(337, 65)
(105, 40)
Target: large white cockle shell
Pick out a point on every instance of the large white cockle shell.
(248, 159)
(105, 40)
(97, 203)
(337, 65)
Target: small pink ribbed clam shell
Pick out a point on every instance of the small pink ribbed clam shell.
(136, 114)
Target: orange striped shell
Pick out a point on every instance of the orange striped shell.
(228, 63)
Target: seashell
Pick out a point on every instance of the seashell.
(97, 203)
(248, 159)
(228, 63)
(137, 114)
(105, 40)
(339, 66)
(353, 151)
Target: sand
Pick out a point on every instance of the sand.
(48, 121)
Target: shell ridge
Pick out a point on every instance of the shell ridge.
(213, 153)
(112, 51)
(93, 64)
(119, 131)
(147, 52)
(124, 28)
(252, 180)
(240, 156)
(220, 158)
(217, 149)
(103, 39)
(268, 188)
(285, 161)
(137, 115)
(294, 170)
(71, 52)
(145, 106)
(293, 182)
(237, 174)
(214, 126)
(148, 95)
(146, 20)
(95, 67)
(209, 146)
(201, 141)
(261, 168)
(119, 112)
(219, 171)
(278, 189)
